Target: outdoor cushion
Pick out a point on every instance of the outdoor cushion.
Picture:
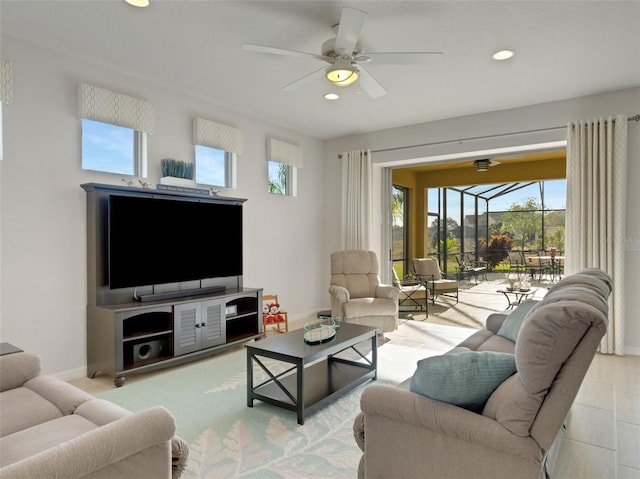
(511, 325)
(465, 379)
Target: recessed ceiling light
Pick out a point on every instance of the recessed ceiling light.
(331, 96)
(138, 3)
(503, 55)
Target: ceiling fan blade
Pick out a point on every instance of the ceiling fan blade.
(350, 26)
(250, 47)
(304, 80)
(370, 85)
(402, 58)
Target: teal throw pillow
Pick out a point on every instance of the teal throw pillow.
(512, 324)
(465, 379)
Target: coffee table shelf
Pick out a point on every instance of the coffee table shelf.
(316, 376)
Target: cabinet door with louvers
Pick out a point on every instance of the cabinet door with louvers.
(198, 325)
(213, 323)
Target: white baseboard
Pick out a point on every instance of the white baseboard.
(631, 351)
(71, 374)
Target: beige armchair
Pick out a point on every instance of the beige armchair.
(356, 293)
(428, 270)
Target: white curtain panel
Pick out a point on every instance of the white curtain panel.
(356, 200)
(596, 210)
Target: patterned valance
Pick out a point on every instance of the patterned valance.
(219, 136)
(283, 152)
(6, 87)
(115, 108)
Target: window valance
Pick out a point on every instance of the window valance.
(115, 108)
(6, 87)
(216, 135)
(283, 152)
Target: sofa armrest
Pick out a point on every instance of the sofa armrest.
(495, 320)
(104, 447)
(406, 434)
(18, 368)
(339, 296)
(387, 291)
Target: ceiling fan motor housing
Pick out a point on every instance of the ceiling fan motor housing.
(328, 51)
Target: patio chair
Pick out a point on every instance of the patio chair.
(516, 262)
(435, 280)
(535, 265)
(474, 267)
(413, 293)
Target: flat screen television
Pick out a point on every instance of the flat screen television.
(165, 240)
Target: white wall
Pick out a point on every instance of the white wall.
(398, 145)
(43, 223)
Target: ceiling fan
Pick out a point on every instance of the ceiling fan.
(345, 57)
(485, 163)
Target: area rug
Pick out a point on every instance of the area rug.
(227, 439)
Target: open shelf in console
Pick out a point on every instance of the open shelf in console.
(242, 318)
(147, 325)
(147, 336)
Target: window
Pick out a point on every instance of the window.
(399, 232)
(279, 178)
(217, 147)
(283, 161)
(114, 131)
(113, 149)
(215, 167)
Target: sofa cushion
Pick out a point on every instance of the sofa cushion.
(58, 392)
(465, 379)
(23, 408)
(359, 307)
(31, 441)
(511, 325)
(484, 340)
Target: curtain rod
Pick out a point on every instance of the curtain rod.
(340, 155)
(553, 128)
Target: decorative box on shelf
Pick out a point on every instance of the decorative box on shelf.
(173, 181)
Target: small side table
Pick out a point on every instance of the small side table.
(515, 297)
(8, 348)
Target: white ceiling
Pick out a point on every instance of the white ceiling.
(564, 49)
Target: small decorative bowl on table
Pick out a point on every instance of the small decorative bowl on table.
(320, 330)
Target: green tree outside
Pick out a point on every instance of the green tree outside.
(523, 222)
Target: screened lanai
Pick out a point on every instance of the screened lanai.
(483, 222)
(469, 219)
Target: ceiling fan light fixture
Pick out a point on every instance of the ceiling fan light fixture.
(482, 165)
(342, 73)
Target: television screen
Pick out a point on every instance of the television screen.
(158, 240)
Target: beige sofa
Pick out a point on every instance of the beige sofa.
(49, 428)
(517, 432)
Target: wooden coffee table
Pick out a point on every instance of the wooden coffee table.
(317, 374)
